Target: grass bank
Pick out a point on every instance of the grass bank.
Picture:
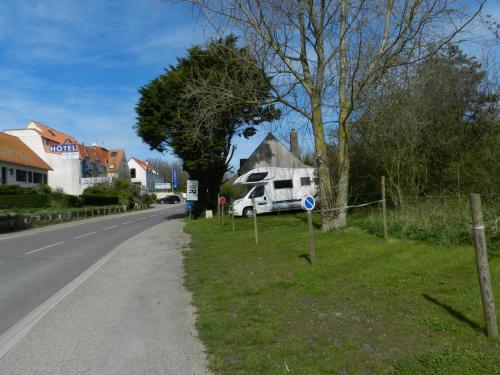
(367, 307)
(441, 220)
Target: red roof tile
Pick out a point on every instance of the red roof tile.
(52, 134)
(13, 150)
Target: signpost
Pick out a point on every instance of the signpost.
(70, 155)
(308, 204)
(163, 186)
(66, 147)
(189, 208)
(192, 190)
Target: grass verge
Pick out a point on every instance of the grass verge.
(444, 221)
(367, 307)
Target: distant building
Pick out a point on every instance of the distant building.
(117, 164)
(143, 174)
(271, 153)
(74, 165)
(19, 165)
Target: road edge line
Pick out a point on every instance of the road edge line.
(18, 331)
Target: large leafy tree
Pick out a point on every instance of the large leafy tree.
(196, 108)
(432, 128)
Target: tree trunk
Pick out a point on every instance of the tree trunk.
(324, 175)
(341, 198)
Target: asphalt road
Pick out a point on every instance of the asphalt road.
(37, 263)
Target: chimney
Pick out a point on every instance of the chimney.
(294, 143)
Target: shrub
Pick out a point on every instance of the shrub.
(126, 193)
(58, 199)
(98, 200)
(15, 190)
(24, 201)
(232, 192)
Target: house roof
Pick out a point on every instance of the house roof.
(144, 164)
(101, 155)
(13, 150)
(114, 158)
(94, 153)
(52, 134)
(271, 153)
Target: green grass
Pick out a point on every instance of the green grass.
(367, 306)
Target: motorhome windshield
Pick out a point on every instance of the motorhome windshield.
(253, 192)
(244, 193)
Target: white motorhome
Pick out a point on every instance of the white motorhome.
(274, 189)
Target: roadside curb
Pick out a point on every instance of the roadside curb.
(51, 227)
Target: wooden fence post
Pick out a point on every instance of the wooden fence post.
(483, 269)
(312, 250)
(232, 211)
(384, 207)
(218, 207)
(255, 222)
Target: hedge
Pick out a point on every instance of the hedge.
(98, 200)
(15, 190)
(24, 201)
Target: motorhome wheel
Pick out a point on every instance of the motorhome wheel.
(248, 212)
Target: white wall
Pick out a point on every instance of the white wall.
(66, 172)
(147, 179)
(11, 174)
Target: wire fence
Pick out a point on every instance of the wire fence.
(443, 218)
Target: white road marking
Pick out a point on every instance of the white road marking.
(84, 235)
(59, 226)
(153, 215)
(127, 222)
(108, 228)
(45, 247)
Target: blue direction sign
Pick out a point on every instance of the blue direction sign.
(308, 203)
(174, 178)
(189, 206)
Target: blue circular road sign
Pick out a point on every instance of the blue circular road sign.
(308, 203)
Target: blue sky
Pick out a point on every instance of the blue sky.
(76, 65)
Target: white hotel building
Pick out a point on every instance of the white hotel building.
(74, 166)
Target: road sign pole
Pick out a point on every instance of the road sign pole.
(312, 250)
(308, 204)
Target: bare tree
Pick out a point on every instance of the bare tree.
(323, 56)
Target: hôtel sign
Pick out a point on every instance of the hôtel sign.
(67, 147)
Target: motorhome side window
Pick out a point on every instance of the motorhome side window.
(283, 184)
(256, 176)
(257, 192)
(305, 181)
